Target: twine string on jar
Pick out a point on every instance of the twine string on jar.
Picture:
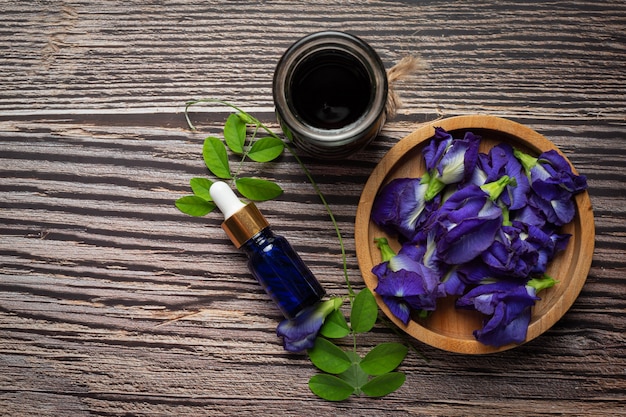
(407, 66)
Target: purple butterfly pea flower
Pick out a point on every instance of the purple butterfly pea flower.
(507, 306)
(451, 282)
(522, 250)
(502, 162)
(465, 225)
(436, 148)
(404, 283)
(530, 215)
(546, 242)
(449, 161)
(511, 255)
(554, 185)
(558, 209)
(480, 172)
(553, 169)
(475, 272)
(400, 207)
(300, 332)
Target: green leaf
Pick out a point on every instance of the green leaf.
(215, 157)
(200, 187)
(194, 205)
(235, 133)
(354, 375)
(364, 311)
(258, 189)
(384, 384)
(335, 326)
(266, 149)
(329, 387)
(328, 357)
(384, 358)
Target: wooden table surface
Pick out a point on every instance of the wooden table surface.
(112, 302)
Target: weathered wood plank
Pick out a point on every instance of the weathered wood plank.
(114, 303)
(106, 286)
(527, 59)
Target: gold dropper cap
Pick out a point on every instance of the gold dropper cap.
(242, 225)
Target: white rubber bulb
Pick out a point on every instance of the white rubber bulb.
(225, 198)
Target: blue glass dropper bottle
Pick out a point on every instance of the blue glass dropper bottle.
(271, 259)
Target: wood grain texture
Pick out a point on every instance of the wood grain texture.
(114, 303)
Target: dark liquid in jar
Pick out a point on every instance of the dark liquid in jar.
(330, 90)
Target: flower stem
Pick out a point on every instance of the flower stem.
(495, 188)
(527, 161)
(385, 250)
(542, 283)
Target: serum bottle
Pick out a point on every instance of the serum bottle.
(271, 259)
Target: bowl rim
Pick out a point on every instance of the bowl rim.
(582, 227)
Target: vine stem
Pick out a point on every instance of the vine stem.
(245, 153)
(344, 257)
(307, 173)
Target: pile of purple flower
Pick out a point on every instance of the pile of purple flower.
(480, 227)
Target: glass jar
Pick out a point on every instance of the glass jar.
(330, 90)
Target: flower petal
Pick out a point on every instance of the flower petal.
(401, 284)
(495, 333)
(508, 305)
(449, 161)
(503, 162)
(300, 332)
(511, 255)
(436, 148)
(467, 240)
(398, 308)
(399, 206)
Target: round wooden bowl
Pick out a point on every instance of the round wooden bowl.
(448, 328)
